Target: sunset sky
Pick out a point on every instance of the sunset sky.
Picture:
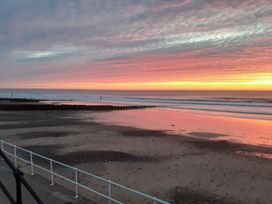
(136, 44)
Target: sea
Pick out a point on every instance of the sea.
(238, 116)
(256, 104)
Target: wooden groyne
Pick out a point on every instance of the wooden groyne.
(53, 107)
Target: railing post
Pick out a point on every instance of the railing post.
(51, 172)
(2, 145)
(31, 163)
(18, 175)
(15, 155)
(76, 180)
(109, 191)
(154, 200)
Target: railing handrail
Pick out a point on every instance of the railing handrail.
(76, 170)
(7, 193)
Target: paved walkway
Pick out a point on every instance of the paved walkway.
(48, 194)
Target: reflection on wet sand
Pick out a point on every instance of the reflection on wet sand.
(255, 154)
(194, 124)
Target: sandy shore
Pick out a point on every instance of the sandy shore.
(177, 168)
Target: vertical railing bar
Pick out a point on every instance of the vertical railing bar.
(18, 175)
(15, 156)
(109, 186)
(2, 145)
(51, 170)
(31, 164)
(76, 180)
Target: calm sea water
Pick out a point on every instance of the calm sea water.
(94, 94)
(253, 104)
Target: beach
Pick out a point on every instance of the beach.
(174, 166)
(136, 102)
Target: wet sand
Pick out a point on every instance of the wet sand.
(199, 124)
(174, 167)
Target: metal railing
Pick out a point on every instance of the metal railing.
(75, 180)
(19, 180)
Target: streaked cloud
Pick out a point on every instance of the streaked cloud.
(42, 41)
(53, 52)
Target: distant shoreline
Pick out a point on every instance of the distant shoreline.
(23, 104)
